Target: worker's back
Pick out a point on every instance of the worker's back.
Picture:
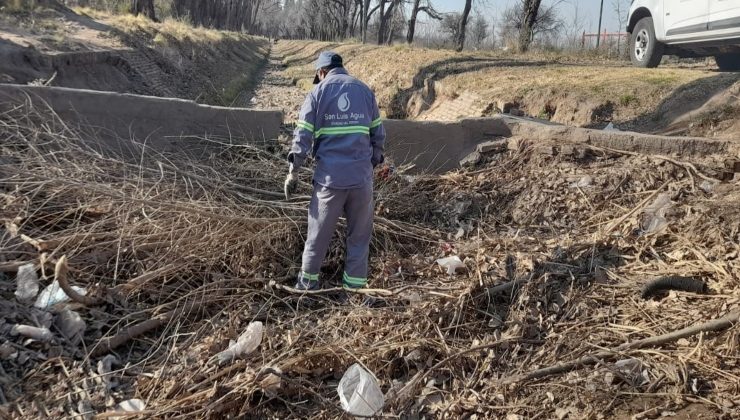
(345, 112)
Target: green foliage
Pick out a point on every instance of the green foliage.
(628, 99)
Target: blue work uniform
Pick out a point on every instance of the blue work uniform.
(339, 125)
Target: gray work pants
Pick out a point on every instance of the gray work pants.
(327, 205)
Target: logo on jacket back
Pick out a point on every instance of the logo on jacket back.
(343, 102)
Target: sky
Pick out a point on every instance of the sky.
(587, 9)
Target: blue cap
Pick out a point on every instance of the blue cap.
(327, 59)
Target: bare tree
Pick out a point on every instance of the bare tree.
(385, 16)
(460, 41)
(451, 25)
(516, 18)
(621, 8)
(145, 7)
(235, 15)
(419, 6)
(530, 9)
(574, 28)
(479, 32)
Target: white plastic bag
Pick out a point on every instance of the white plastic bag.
(359, 392)
(129, 406)
(247, 343)
(36, 333)
(451, 264)
(653, 217)
(54, 294)
(71, 325)
(27, 282)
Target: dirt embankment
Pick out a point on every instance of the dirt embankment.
(443, 85)
(126, 54)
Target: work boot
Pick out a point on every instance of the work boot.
(307, 282)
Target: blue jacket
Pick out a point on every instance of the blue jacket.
(340, 125)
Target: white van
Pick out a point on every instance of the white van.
(685, 28)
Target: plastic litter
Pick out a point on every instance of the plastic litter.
(359, 392)
(653, 217)
(632, 370)
(451, 264)
(71, 325)
(105, 367)
(27, 282)
(611, 127)
(36, 333)
(707, 186)
(584, 182)
(53, 294)
(130, 406)
(244, 345)
(271, 383)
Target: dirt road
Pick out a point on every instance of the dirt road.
(275, 89)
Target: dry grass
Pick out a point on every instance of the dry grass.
(444, 346)
(169, 28)
(534, 81)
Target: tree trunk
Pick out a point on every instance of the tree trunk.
(463, 25)
(356, 12)
(385, 17)
(526, 33)
(365, 19)
(381, 22)
(145, 7)
(412, 22)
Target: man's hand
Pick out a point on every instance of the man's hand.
(291, 184)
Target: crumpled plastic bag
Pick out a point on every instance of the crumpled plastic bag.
(105, 369)
(129, 406)
(244, 345)
(36, 333)
(53, 294)
(71, 325)
(359, 392)
(653, 217)
(582, 182)
(451, 264)
(27, 282)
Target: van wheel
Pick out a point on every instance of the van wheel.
(645, 49)
(728, 62)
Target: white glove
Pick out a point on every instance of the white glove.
(291, 184)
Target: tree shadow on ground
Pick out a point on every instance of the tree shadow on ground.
(450, 67)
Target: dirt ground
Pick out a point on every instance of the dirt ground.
(90, 50)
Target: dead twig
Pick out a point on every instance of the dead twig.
(370, 292)
(719, 324)
(60, 274)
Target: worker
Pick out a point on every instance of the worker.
(339, 125)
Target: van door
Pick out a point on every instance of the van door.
(724, 18)
(686, 19)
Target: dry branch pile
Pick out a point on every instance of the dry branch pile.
(177, 256)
